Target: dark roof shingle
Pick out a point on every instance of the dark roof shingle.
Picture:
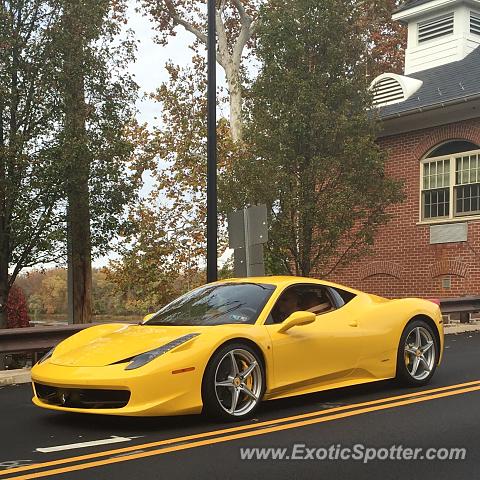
(410, 4)
(441, 84)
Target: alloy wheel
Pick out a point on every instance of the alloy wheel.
(419, 353)
(238, 382)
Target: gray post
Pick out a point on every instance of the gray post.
(247, 232)
(247, 250)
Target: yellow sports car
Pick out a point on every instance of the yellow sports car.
(224, 347)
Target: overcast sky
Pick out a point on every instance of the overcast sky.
(149, 68)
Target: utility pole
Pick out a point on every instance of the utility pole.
(212, 146)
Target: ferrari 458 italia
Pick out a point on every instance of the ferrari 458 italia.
(226, 346)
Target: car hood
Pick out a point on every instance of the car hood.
(112, 345)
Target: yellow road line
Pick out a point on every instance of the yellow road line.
(237, 436)
(256, 428)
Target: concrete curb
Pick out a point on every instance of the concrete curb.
(22, 375)
(461, 328)
(12, 377)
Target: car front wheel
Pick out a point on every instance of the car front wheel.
(234, 382)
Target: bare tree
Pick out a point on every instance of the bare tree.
(236, 24)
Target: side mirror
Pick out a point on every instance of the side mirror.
(297, 319)
(147, 317)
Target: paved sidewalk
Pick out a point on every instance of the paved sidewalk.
(461, 328)
(11, 377)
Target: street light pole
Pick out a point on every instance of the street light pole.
(212, 147)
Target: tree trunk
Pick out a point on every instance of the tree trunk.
(235, 93)
(78, 172)
(231, 65)
(79, 262)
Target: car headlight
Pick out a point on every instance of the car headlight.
(46, 356)
(144, 358)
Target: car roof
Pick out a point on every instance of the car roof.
(286, 280)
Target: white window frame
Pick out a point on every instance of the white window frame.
(452, 217)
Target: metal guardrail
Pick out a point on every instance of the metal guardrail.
(35, 339)
(461, 305)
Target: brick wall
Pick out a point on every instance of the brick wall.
(404, 263)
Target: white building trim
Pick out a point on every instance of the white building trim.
(448, 48)
(390, 88)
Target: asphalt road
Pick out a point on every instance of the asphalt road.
(443, 415)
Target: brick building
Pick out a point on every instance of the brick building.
(431, 136)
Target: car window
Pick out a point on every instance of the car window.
(341, 297)
(310, 298)
(216, 304)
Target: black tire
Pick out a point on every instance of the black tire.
(404, 375)
(215, 407)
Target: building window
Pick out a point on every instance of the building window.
(436, 183)
(435, 28)
(449, 148)
(450, 186)
(467, 188)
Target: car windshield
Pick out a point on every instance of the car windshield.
(216, 304)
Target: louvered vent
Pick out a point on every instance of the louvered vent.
(475, 23)
(387, 91)
(435, 28)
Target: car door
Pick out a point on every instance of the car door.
(319, 353)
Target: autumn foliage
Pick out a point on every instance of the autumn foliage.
(17, 311)
(385, 38)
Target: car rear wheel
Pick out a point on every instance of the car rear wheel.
(417, 354)
(234, 382)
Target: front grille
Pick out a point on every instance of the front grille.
(82, 397)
